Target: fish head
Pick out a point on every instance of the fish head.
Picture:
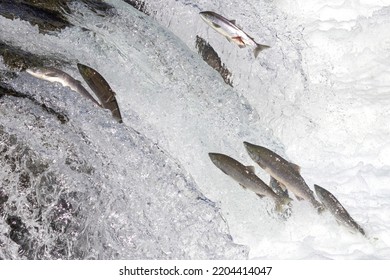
(225, 163)
(37, 72)
(85, 70)
(320, 192)
(217, 159)
(42, 73)
(258, 154)
(209, 17)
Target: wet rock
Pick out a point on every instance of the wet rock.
(49, 15)
(45, 14)
(7, 90)
(17, 59)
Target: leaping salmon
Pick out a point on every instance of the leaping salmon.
(283, 171)
(102, 89)
(52, 74)
(231, 31)
(337, 210)
(246, 177)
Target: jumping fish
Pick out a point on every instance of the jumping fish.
(231, 31)
(336, 209)
(247, 178)
(285, 172)
(52, 74)
(102, 90)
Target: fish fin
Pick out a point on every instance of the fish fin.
(260, 195)
(277, 184)
(259, 48)
(235, 23)
(278, 187)
(216, 25)
(282, 204)
(296, 167)
(243, 186)
(224, 172)
(361, 230)
(250, 168)
(299, 198)
(279, 207)
(111, 99)
(241, 46)
(239, 40)
(320, 208)
(228, 38)
(261, 165)
(286, 200)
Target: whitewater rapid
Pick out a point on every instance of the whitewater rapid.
(319, 97)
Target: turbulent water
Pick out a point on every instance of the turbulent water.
(76, 184)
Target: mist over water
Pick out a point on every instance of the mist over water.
(88, 187)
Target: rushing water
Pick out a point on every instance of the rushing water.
(76, 184)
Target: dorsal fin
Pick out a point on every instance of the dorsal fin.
(296, 167)
(242, 186)
(235, 23)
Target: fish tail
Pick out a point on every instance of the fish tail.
(282, 204)
(320, 208)
(259, 48)
(283, 207)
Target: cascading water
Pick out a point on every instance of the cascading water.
(76, 184)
